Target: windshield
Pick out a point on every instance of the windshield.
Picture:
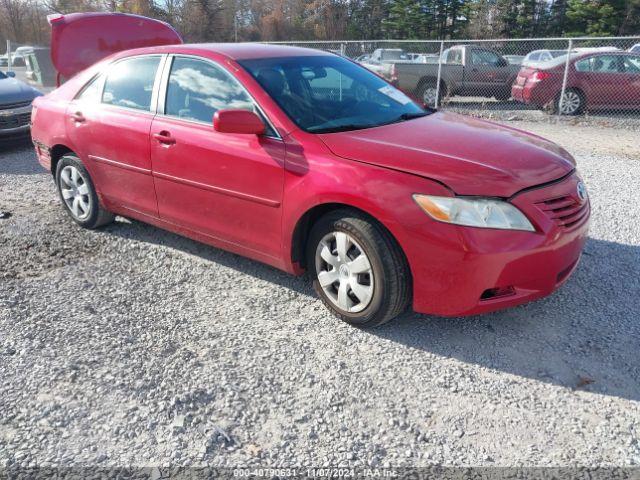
(323, 94)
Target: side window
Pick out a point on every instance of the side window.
(197, 89)
(584, 65)
(455, 56)
(484, 57)
(129, 83)
(606, 64)
(92, 91)
(632, 64)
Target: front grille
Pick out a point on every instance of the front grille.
(11, 106)
(566, 210)
(15, 121)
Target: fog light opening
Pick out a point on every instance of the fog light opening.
(498, 292)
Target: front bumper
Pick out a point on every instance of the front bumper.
(15, 122)
(481, 270)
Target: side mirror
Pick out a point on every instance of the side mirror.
(11, 74)
(238, 121)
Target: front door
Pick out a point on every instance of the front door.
(228, 186)
(631, 80)
(485, 72)
(109, 126)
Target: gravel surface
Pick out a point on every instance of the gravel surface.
(134, 346)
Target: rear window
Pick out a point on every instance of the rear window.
(454, 56)
(394, 55)
(130, 82)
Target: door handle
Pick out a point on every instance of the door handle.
(164, 137)
(77, 117)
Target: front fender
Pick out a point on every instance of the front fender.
(314, 178)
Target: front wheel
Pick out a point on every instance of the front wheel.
(358, 269)
(78, 194)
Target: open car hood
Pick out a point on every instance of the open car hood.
(79, 40)
(470, 156)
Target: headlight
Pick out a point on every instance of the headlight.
(474, 212)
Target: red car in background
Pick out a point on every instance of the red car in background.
(597, 80)
(304, 160)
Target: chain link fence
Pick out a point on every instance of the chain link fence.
(590, 77)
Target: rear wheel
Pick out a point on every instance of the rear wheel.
(573, 103)
(78, 194)
(428, 93)
(358, 269)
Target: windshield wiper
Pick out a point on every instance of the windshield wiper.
(342, 128)
(411, 116)
(355, 126)
(407, 116)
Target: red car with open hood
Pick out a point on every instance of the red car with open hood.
(306, 161)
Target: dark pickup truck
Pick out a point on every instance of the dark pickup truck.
(466, 70)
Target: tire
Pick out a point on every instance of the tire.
(78, 194)
(384, 289)
(427, 92)
(574, 103)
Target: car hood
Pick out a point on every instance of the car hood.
(470, 156)
(15, 91)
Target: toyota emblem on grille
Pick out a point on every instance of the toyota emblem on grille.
(582, 191)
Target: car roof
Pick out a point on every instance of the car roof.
(235, 51)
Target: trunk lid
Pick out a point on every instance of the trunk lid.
(79, 40)
(523, 75)
(471, 156)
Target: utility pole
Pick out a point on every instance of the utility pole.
(235, 25)
(9, 62)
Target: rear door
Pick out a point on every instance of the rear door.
(228, 186)
(109, 124)
(599, 76)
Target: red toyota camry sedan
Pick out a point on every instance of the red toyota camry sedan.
(308, 162)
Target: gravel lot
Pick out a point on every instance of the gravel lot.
(133, 346)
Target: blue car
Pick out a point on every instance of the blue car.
(15, 105)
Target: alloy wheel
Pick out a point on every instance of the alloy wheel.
(429, 96)
(344, 272)
(75, 192)
(570, 103)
